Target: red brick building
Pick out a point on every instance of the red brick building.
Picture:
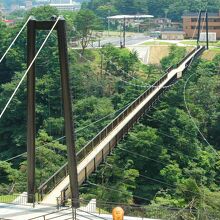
(190, 23)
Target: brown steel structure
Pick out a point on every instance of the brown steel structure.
(207, 28)
(60, 27)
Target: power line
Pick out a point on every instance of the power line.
(172, 116)
(106, 71)
(140, 155)
(112, 189)
(108, 188)
(153, 179)
(16, 37)
(25, 74)
(145, 157)
(77, 130)
(185, 207)
(192, 119)
(129, 83)
(136, 85)
(190, 134)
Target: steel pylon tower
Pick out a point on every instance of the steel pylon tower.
(33, 26)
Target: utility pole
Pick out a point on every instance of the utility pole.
(207, 29)
(124, 30)
(199, 27)
(108, 22)
(101, 64)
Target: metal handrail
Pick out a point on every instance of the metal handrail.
(51, 213)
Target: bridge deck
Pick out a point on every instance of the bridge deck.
(87, 166)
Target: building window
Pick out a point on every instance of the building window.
(194, 19)
(194, 27)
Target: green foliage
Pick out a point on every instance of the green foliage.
(85, 22)
(176, 54)
(43, 12)
(159, 8)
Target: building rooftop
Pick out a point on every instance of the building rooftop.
(130, 16)
(195, 14)
(173, 32)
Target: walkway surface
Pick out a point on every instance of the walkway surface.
(25, 212)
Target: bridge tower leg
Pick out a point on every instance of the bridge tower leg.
(199, 27)
(31, 40)
(34, 25)
(207, 29)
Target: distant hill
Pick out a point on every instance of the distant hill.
(8, 3)
(159, 8)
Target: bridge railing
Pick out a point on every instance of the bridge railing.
(57, 177)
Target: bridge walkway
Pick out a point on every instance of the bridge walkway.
(100, 146)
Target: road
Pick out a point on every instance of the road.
(116, 41)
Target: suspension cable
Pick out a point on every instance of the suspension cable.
(134, 154)
(12, 43)
(129, 83)
(25, 74)
(192, 119)
(152, 179)
(77, 130)
(195, 27)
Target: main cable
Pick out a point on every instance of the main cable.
(25, 74)
(16, 37)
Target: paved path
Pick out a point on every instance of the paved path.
(25, 212)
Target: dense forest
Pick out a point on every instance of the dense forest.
(160, 8)
(163, 161)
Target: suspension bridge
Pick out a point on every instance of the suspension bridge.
(58, 188)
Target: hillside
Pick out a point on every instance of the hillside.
(161, 8)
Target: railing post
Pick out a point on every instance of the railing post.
(94, 164)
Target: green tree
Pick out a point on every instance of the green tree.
(85, 23)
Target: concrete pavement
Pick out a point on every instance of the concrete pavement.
(25, 212)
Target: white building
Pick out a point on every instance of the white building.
(172, 35)
(211, 35)
(65, 5)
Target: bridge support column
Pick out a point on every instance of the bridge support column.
(68, 120)
(31, 32)
(34, 25)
